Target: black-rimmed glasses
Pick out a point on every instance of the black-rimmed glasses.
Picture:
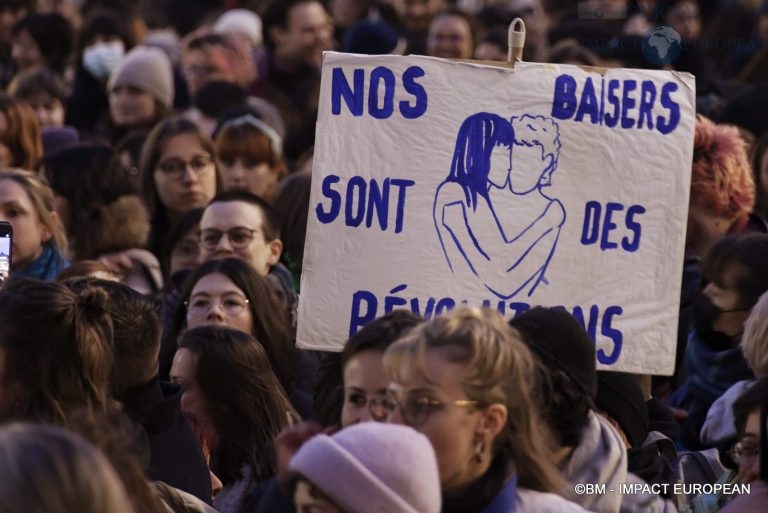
(239, 237)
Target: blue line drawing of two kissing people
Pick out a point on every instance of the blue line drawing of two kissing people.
(491, 211)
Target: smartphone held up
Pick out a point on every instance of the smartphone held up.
(6, 243)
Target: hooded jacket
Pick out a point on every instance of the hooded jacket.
(720, 425)
(710, 372)
(601, 458)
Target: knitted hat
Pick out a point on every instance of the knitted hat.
(148, 69)
(661, 419)
(373, 468)
(242, 21)
(371, 38)
(619, 395)
(166, 40)
(58, 137)
(560, 342)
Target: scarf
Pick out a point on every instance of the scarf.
(47, 266)
(234, 496)
(713, 369)
(482, 493)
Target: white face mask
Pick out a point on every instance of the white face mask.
(101, 58)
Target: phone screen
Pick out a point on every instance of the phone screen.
(5, 254)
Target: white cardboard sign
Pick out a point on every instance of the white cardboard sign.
(437, 183)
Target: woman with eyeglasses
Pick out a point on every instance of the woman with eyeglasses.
(751, 451)
(236, 406)
(464, 380)
(351, 387)
(745, 453)
(178, 174)
(365, 382)
(250, 155)
(228, 292)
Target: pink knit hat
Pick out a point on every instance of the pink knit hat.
(373, 468)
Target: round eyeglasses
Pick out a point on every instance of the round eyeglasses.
(175, 168)
(231, 305)
(744, 453)
(239, 237)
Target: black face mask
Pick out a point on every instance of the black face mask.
(704, 314)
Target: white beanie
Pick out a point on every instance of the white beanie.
(373, 468)
(148, 69)
(242, 21)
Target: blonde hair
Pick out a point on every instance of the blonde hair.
(754, 341)
(49, 470)
(41, 196)
(498, 368)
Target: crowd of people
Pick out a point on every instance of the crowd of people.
(155, 165)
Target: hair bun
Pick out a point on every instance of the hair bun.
(92, 302)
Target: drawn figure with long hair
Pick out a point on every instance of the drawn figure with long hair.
(491, 212)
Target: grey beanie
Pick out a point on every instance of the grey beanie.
(373, 468)
(148, 69)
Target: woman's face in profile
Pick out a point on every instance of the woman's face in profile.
(528, 167)
(193, 403)
(501, 163)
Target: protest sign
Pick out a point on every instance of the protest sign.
(437, 183)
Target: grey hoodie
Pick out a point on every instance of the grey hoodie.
(720, 425)
(601, 458)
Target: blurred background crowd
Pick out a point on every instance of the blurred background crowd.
(155, 163)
